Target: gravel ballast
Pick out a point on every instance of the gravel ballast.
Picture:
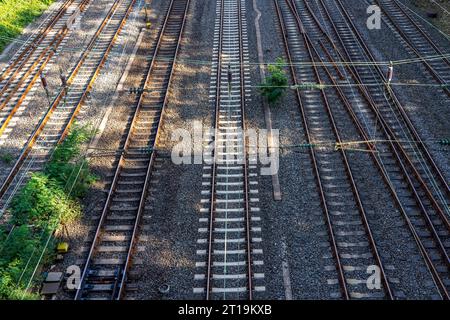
(298, 262)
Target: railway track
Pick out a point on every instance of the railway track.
(110, 256)
(31, 44)
(230, 251)
(19, 77)
(353, 245)
(56, 122)
(417, 40)
(422, 190)
(416, 184)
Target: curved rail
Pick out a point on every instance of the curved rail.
(410, 41)
(400, 155)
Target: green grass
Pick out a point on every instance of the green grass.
(6, 158)
(49, 200)
(17, 14)
(275, 84)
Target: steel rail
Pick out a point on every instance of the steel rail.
(396, 101)
(28, 50)
(311, 51)
(106, 208)
(244, 151)
(214, 164)
(408, 41)
(247, 217)
(29, 144)
(405, 117)
(425, 35)
(371, 103)
(340, 269)
(390, 133)
(149, 170)
(120, 164)
(47, 53)
(57, 40)
(386, 179)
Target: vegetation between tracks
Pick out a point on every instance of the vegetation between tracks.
(276, 83)
(47, 202)
(15, 15)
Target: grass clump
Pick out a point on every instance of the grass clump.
(44, 204)
(6, 158)
(49, 200)
(16, 251)
(68, 167)
(276, 83)
(15, 15)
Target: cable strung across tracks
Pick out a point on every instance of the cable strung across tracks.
(352, 260)
(418, 40)
(406, 166)
(428, 219)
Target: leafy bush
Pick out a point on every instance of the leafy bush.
(16, 251)
(275, 83)
(44, 204)
(67, 166)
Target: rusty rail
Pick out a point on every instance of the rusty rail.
(46, 54)
(311, 51)
(340, 269)
(34, 136)
(214, 166)
(121, 283)
(393, 146)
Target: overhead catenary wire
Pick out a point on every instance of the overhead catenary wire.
(299, 63)
(426, 21)
(440, 6)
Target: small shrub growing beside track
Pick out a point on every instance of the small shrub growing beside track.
(49, 200)
(17, 249)
(68, 167)
(43, 204)
(276, 83)
(16, 14)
